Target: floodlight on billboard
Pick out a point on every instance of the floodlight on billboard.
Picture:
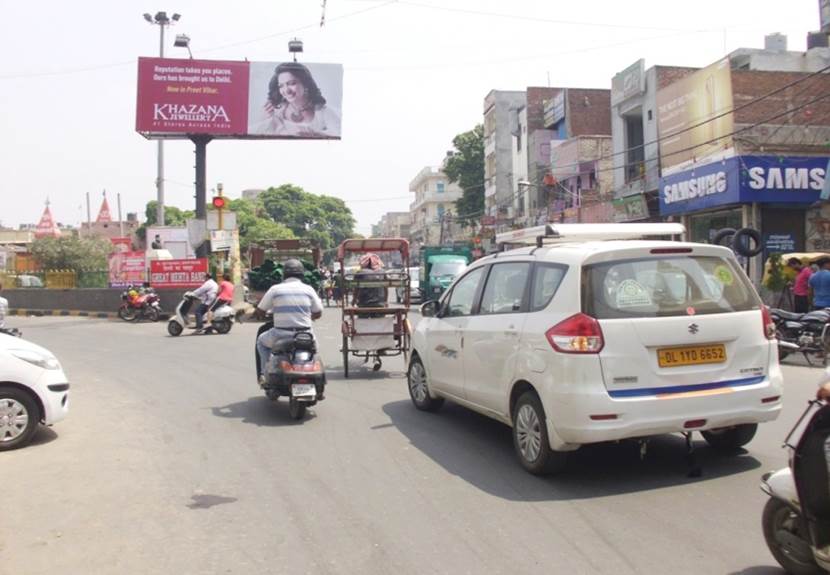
(238, 100)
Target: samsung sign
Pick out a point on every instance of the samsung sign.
(744, 179)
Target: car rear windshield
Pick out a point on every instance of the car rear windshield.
(665, 286)
(447, 268)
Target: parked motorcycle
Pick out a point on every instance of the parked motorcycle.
(294, 370)
(796, 518)
(805, 333)
(139, 303)
(223, 317)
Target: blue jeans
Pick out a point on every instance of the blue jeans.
(200, 315)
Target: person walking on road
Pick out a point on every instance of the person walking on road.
(293, 306)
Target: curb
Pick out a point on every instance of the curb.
(62, 313)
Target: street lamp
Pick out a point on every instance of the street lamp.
(161, 20)
(183, 41)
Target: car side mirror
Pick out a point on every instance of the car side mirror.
(430, 309)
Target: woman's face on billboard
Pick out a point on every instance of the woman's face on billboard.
(291, 89)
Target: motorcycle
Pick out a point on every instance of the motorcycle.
(796, 518)
(139, 303)
(293, 370)
(805, 333)
(222, 321)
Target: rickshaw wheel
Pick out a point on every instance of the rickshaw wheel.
(345, 356)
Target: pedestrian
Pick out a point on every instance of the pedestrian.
(819, 284)
(157, 245)
(4, 308)
(801, 285)
(206, 293)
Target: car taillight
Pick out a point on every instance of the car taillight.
(579, 333)
(769, 325)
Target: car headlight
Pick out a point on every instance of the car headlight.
(36, 358)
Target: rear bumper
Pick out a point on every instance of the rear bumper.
(570, 422)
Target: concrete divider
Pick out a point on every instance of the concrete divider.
(74, 301)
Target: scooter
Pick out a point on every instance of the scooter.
(293, 370)
(222, 321)
(796, 518)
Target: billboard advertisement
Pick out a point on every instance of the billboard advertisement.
(630, 82)
(688, 121)
(238, 100)
(178, 273)
(744, 179)
(127, 268)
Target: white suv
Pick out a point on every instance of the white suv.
(594, 341)
(33, 389)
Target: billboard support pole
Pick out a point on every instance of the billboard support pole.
(201, 143)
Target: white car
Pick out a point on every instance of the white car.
(585, 342)
(33, 390)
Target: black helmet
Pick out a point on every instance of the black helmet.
(293, 269)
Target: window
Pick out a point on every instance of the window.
(439, 187)
(504, 291)
(462, 297)
(664, 287)
(546, 280)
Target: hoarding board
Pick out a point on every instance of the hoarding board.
(178, 273)
(694, 118)
(127, 268)
(630, 82)
(238, 100)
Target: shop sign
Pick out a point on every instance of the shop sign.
(630, 208)
(630, 82)
(178, 273)
(554, 109)
(744, 179)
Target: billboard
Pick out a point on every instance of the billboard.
(238, 100)
(178, 273)
(127, 267)
(688, 125)
(630, 82)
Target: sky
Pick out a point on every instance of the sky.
(415, 75)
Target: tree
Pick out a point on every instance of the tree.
(466, 167)
(72, 253)
(173, 216)
(325, 219)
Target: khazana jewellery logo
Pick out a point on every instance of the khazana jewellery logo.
(189, 113)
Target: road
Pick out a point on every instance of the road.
(172, 461)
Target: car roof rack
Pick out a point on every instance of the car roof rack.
(561, 233)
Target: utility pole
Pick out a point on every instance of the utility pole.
(161, 20)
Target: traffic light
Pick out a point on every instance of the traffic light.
(219, 202)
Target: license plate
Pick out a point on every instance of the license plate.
(303, 389)
(691, 355)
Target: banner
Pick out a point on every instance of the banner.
(630, 82)
(694, 118)
(239, 100)
(178, 273)
(126, 268)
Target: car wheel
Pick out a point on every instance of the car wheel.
(222, 325)
(530, 437)
(787, 539)
(174, 328)
(419, 387)
(19, 416)
(730, 438)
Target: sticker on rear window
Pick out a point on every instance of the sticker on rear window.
(631, 294)
(724, 275)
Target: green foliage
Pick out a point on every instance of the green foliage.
(325, 219)
(173, 216)
(466, 167)
(255, 224)
(778, 275)
(72, 253)
(270, 273)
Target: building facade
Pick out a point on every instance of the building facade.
(499, 124)
(392, 225)
(430, 213)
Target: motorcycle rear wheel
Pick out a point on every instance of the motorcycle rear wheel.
(296, 409)
(153, 314)
(127, 313)
(778, 517)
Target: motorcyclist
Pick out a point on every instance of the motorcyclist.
(293, 305)
(206, 293)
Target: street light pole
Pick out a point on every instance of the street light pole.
(161, 20)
